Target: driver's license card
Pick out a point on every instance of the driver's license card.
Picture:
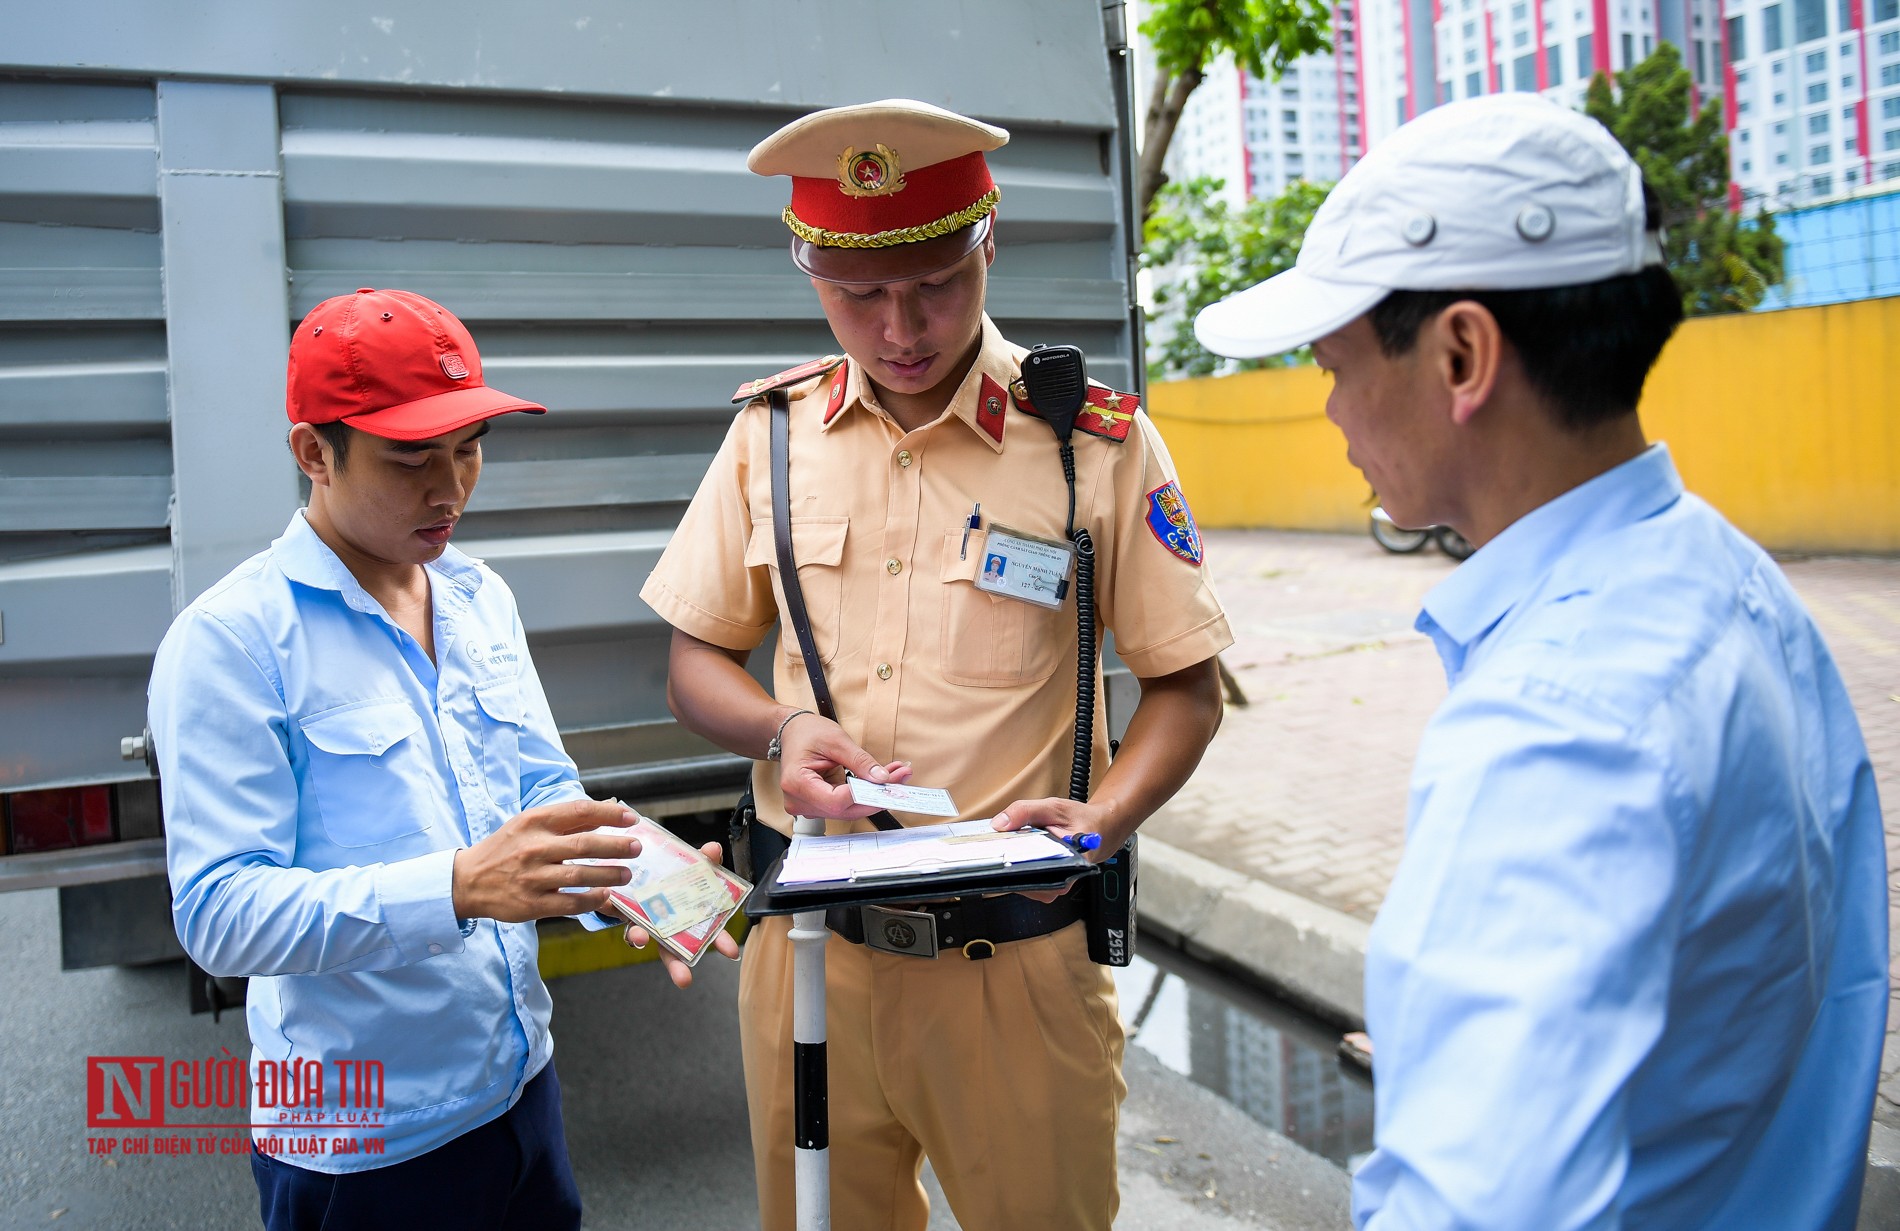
(901, 797)
(678, 895)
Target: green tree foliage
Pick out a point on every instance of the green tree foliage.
(1216, 250)
(1263, 36)
(1723, 263)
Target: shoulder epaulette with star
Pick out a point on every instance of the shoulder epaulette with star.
(790, 376)
(1104, 412)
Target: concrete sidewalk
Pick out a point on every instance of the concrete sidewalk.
(1275, 857)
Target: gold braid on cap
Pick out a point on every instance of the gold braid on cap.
(901, 235)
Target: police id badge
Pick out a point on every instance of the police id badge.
(1022, 566)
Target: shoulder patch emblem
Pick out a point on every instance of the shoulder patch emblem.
(1172, 524)
(1104, 412)
(790, 376)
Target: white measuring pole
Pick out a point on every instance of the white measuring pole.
(810, 1118)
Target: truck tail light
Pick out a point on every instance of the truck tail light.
(57, 819)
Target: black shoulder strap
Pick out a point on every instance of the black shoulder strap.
(788, 567)
(782, 539)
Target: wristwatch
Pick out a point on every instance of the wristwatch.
(775, 749)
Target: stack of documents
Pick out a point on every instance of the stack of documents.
(960, 846)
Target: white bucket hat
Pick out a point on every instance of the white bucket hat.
(1506, 192)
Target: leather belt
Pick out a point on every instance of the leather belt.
(974, 926)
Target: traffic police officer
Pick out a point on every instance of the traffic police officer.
(1000, 1057)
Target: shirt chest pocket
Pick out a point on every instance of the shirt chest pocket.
(501, 721)
(989, 641)
(818, 549)
(371, 770)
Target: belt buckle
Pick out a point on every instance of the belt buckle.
(908, 933)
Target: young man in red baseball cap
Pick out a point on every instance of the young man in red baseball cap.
(368, 805)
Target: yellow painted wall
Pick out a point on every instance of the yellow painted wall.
(1788, 422)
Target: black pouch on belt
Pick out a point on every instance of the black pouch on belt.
(1108, 905)
(753, 846)
(739, 836)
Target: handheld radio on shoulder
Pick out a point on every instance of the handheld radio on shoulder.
(1056, 380)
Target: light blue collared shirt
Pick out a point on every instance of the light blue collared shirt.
(319, 774)
(1632, 972)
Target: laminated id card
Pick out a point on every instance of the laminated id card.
(1021, 566)
(678, 895)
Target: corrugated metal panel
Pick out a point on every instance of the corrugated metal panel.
(85, 454)
(1016, 60)
(78, 202)
(612, 256)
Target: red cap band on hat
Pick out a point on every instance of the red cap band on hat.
(822, 213)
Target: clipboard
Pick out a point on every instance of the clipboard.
(769, 897)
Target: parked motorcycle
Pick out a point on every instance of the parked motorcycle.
(1402, 542)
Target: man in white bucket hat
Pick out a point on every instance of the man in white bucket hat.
(1632, 970)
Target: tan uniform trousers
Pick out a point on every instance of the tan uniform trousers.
(1006, 1072)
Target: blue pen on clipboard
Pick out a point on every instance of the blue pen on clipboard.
(973, 522)
(1080, 841)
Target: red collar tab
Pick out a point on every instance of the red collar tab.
(839, 383)
(991, 402)
(1104, 412)
(790, 376)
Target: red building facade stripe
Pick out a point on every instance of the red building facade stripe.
(1411, 77)
(1493, 84)
(1246, 146)
(1858, 14)
(1339, 80)
(1359, 77)
(1728, 102)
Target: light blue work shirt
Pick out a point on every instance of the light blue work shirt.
(1632, 972)
(319, 774)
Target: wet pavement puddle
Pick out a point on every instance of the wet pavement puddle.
(1266, 1057)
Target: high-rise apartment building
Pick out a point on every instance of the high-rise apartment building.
(1259, 136)
(1804, 85)
(1809, 89)
(1813, 98)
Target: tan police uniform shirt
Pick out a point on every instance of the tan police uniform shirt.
(976, 690)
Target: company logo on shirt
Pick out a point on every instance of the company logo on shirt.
(494, 655)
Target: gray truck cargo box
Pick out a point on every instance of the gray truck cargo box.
(179, 184)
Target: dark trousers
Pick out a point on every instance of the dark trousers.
(511, 1174)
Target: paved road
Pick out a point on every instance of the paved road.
(1306, 787)
(654, 1102)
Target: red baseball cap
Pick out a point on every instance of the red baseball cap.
(392, 363)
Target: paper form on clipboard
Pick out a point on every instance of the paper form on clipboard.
(920, 850)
